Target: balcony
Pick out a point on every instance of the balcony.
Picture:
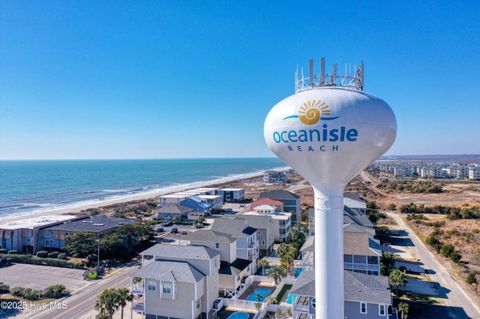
(361, 266)
(301, 304)
(138, 288)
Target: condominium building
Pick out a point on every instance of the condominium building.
(24, 235)
(275, 177)
(231, 195)
(474, 173)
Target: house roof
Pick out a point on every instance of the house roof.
(266, 201)
(258, 221)
(279, 194)
(94, 224)
(175, 271)
(210, 236)
(354, 243)
(180, 252)
(234, 268)
(235, 227)
(352, 216)
(357, 287)
(355, 228)
(174, 209)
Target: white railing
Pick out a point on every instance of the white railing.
(242, 304)
(361, 266)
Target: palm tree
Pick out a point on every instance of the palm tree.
(396, 279)
(107, 303)
(123, 295)
(276, 273)
(263, 263)
(403, 308)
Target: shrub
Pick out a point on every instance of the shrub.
(447, 250)
(92, 275)
(455, 256)
(42, 254)
(53, 254)
(55, 292)
(4, 289)
(472, 278)
(62, 256)
(13, 252)
(17, 291)
(32, 294)
(33, 260)
(3, 251)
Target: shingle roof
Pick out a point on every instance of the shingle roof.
(180, 252)
(234, 268)
(266, 201)
(94, 224)
(174, 209)
(235, 227)
(169, 271)
(351, 216)
(357, 287)
(279, 194)
(354, 243)
(258, 221)
(210, 236)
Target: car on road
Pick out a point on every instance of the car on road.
(159, 229)
(174, 230)
(167, 224)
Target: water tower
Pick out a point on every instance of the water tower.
(329, 131)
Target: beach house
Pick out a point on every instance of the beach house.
(176, 281)
(265, 231)
(234, 272)
(231, 195)
(282, 221)
(172, 211)
(291, 202)
(366, 296)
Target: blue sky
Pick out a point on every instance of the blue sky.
(155, 79)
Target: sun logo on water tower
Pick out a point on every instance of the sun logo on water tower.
(313, 111)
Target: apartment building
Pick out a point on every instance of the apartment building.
(474, 173)
(275, 177)
(24, 235)
(176, 281)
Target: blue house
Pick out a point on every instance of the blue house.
(196, 204)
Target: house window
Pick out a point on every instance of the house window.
(151, 285)
(381, 310)
(217, 245)
(363, 307)
(263, 242)
(167, 288)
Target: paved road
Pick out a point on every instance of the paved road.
(456, 297)
(83, 302)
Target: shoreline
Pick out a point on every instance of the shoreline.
(77, 207)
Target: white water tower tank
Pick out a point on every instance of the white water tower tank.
(329, 131)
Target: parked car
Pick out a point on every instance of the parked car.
(174, 230)
(5, 261)
(167, 224)
(184, 232)
(159, 229)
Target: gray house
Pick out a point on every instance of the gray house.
(265, 231)
(366, 296)
(176, 281)
(291, 202)
(170, 211)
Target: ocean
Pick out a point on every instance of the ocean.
(32, 186)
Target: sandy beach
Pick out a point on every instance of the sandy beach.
(80, 206)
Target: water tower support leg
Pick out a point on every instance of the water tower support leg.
(329, 293)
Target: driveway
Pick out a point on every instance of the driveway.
(40, 277)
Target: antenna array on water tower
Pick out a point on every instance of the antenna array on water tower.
(352, 78)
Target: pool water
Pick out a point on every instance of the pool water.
(291, 299)
(259, 294)
(298, 271)
(239, 315)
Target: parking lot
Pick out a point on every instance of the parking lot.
(40, 277)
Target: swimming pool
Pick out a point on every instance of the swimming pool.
(298, 271)
(239, 315)
(290, 299)
(259, 294)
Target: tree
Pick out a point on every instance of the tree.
(472, 278)
(107, 303)
(276, 273)
(80, 244)
(403, 308)
(123, 295)
(263, 263)
(387, 263)
(396, 279)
